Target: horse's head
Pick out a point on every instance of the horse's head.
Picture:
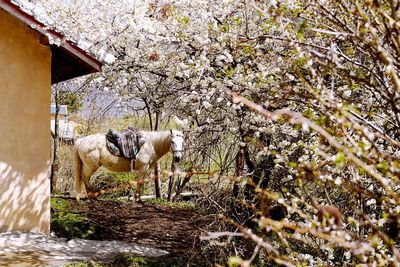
(177, 139)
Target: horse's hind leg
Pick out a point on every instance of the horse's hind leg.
(86, 173)
(139, 183)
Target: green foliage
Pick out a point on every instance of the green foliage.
(184, 21)
(86, 264)
(114, 185)
(70, 225)
(188, 205)
(383, 167)
(224, 27)
(59, 204)
(72, 100)
(238, 21)
(340, 159)
(129, 260)
(309, 113)
(234, 262)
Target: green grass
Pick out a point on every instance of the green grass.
(129, 260)
(59, 204)
(85, 264)
(136, 261)
(70, 225)
(179, 204)
(113, 185)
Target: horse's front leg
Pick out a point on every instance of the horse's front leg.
(141, 173)
(138, 192)
(142, 164)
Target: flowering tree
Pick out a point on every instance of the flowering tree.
(299, 99)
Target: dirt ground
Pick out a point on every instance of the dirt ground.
(175, 230)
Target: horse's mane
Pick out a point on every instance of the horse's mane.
(159, 135)
(155, 136)
(159, 138)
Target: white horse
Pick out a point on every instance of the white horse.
(91, 152)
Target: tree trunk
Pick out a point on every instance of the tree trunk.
(148, 112)
(56, 144)
(239, 169)
(157, 180)
(239, 161)
(171, 183)
(182, 185)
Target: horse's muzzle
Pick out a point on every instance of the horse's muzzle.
(177, 159)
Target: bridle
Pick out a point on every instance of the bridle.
(177, 150)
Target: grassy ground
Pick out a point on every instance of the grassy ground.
(68, 224)
(127, 260)
(174, 227)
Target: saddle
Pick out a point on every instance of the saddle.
(124, 143)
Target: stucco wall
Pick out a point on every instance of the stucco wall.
(25, 69)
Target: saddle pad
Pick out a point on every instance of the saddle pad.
(123, 143)
(113, 149)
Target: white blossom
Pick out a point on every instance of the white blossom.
(207, 105)
(371, 202)
(181, 123)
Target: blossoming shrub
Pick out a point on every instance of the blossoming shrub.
(297, 102)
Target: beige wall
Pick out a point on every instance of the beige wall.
(25, 69)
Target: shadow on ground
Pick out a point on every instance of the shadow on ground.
(30, 249)
(162, 227)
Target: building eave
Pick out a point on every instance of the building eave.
(68, 60)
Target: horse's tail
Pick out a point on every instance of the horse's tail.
(78, 173)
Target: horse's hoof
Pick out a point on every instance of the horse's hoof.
(92, 195)
(138, 200)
